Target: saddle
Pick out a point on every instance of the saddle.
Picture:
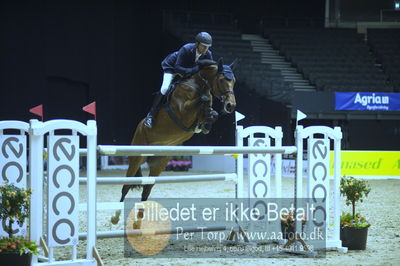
(174, 82)
(211, 115)
(177, 79)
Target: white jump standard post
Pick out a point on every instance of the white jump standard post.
(318, 181)
(63, 189)
(262, 142)
(13, 162)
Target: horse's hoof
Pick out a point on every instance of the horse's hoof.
(205, 131)
(206, 128)
(140, 214)
(115, 219)
(137, 224)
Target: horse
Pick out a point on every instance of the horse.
(188, 111)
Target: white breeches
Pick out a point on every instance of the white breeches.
(167, 78)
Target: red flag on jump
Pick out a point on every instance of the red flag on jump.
(91, 109)
(37, 110)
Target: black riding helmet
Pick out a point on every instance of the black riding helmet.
(204, 38)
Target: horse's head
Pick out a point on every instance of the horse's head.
(223, 87)
(221, 82)
(218, 80)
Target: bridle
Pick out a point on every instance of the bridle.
(222, 95)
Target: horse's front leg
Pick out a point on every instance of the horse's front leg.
(210, 116)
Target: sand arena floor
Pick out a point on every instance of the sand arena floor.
(381, 208)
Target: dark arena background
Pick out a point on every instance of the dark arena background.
(292, 55)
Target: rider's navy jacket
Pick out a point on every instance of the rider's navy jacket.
(183, 61)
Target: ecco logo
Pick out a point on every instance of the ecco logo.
(260, 174)
(319, 163)
(14, 168)
(63, 179)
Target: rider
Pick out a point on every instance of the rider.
(182, 62)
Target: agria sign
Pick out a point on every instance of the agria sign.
(373, 102)
(369, 101)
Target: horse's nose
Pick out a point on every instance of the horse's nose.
(229, 107)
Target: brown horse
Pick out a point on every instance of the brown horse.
(188, 111)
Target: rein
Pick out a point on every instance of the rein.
(178, 122)
(174, 118)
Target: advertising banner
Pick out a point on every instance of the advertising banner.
(367, 101)
(362, 163)
(367, 163)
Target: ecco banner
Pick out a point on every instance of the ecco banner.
(369, 101)
(63, 187)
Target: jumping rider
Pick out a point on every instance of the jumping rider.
(182, 62)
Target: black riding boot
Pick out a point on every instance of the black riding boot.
(148, 121)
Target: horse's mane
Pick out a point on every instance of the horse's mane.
(226, 70)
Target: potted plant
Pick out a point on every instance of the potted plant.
(354, 226)
(14, 207)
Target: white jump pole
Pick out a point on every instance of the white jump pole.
(132, 150)
(162, 179)
(138, 232)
